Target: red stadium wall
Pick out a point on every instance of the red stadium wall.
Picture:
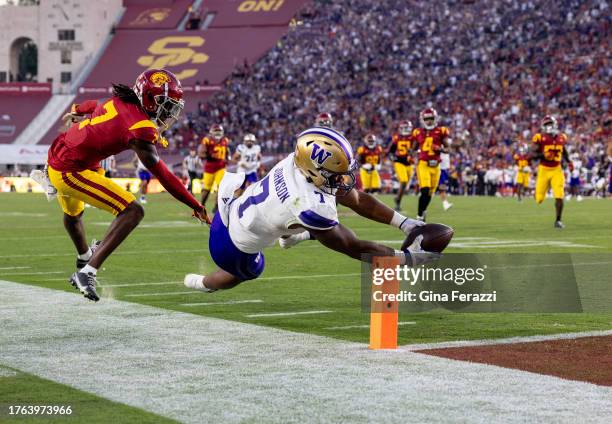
(153, 14)
(252, 12)
(19, 105)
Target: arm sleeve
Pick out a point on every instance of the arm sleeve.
(85, 108)
(174, 186)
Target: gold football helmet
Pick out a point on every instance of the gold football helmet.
(325, 157)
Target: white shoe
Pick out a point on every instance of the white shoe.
(143, 200)
(196, 282)
(447, 205)
(579, 198)
(568, 197)
(288, 242)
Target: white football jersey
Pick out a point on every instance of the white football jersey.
(444, 161)
(577, 164)
(248, 155)
(266, 209)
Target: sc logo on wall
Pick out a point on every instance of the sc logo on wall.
(173, 51)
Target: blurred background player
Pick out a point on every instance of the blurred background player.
(132, 119)
(444, 179)
(324, 120)
(431, 140)
(192, 166)
(549, 148)
(144, 176)
(248, 156)
(369, 156)
(214, 150)
(109, 165)
(400, 152)
(575, 168)
(522, 161)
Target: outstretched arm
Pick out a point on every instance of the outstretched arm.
(369, 207)
(147, 154)
(343, 240)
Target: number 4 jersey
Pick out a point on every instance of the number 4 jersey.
(266, 209)
(111, 127)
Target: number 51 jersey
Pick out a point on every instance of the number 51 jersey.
(266, 209)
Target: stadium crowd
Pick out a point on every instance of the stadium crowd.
(492, 72)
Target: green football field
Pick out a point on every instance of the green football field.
(307, 289)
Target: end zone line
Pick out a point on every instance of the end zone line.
(229, 302)
(348, 327)
(286, 314)
(162, 293)
(508, 340)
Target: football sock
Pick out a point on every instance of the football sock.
(86, 256)
(424, 200)
(88, 269)
(397, 220)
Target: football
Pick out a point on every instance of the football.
(435, 237)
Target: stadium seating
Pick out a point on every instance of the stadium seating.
(19, 105)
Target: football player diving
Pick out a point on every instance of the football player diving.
(297, 201)
(132, 119)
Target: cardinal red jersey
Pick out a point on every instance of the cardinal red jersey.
(108, 131)
(401, 148)
(551, 147)
(369, 155)
(522, 160)
(430, 142)
(216, 153)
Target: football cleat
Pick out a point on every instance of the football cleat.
(398, 205)
(80, 263)
(196, 282)
(86, 284)
(559, 224)
(447, 205)
(422, 218)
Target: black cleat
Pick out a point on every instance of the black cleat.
(80, 263)
(86, 284)
(398, 206)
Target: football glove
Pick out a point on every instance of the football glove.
(367, 166)
(526, 169)
(410, 224)
(415, 255)
(377, 167)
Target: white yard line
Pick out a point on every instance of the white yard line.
(160, 293)
(348, 327)
(229, 302)
(159, 283)
(135, 252)
(508, 340)
(31, 273)
(287, 314)
(198, 369)
(14, 267)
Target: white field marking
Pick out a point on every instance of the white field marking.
(304, 277)
(160, 293)
(158, 224)
(14, 267)
(287, 314)
(348, 327)
(160, 283)
(134, 252)
(24, 214)
(508, 340)
(168, 362)
(229, 302)
(31, 273)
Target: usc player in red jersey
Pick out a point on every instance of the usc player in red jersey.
(522, 161)
(431, 140)
(370, 158)
(400, 151)
(215, 151)
(549, 148)
(131, 119)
